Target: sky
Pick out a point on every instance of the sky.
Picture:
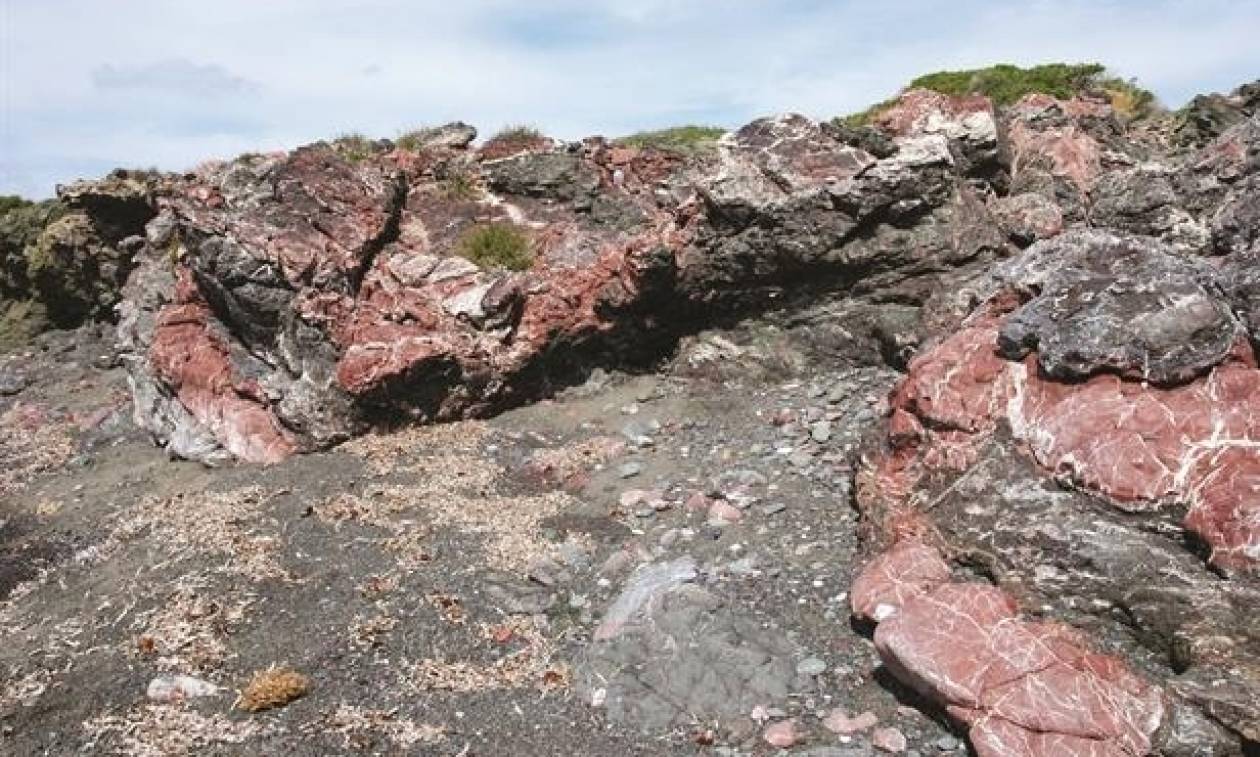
(89, 85)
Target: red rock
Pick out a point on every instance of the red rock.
(1136, 444)
(924, 111)
(966, 647)
(905, 572)
(720, 509)
(195, 361)
(782, 734)
(1071, 152)
(888, 740)
(698, 501)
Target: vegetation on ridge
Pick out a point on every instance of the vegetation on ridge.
(1005, 84)
(682, 139)
(517, 133)
(354, 147)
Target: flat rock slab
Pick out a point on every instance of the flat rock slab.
(688, 660)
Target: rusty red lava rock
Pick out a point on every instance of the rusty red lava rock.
(1025, 688)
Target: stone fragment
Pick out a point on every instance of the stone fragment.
(174, 689)
(888, 740)
(782, 734)
(721, 510)
(838, 722)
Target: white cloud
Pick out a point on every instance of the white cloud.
(175, 76)
(87, 84)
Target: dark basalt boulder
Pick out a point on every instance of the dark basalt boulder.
(1117, 304)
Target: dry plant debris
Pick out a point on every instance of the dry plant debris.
(559, 464)
(442, 473)
(272, 688)
(367, 633)
(216, 523)
(449, 607)
(359, 725)
(190, 629)
(30, 444)
(164, 731)
(530, 665)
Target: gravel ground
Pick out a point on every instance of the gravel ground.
(466, 589)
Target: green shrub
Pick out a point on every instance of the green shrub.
(683, 139)
(459, 186)
(354, 147)
(411, 140)
(497, 245)
(1005, 84)
(12, 202)
(517, 133)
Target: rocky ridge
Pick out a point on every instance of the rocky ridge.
(1070, 303)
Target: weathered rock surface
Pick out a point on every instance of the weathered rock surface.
(683, 658)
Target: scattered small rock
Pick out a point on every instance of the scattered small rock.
(889, 740)
(811, 666)
(630, 470)
(773, 508)
(724, 511)
(782, 734)
(839, 722)
(12, 383)
(820, 431)
(172, 689)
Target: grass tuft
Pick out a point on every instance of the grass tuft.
(517, 133)
(682, 139)
(497, 245)
(354, 147)
(459, 186)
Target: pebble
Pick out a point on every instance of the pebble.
(811, 666)
(781, 734)
(820, 431)
(697, 501)
(838, 722)
(177, 688)
(947, 743)
(800, 459)
(632, 497)
(630, 470)
(773, 508)
(724, 511)
(888, 740)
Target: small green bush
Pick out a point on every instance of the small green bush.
(497, 245)
(410, 140)
(413, 140)
(459, 186)
(683, 139)
(517, 133)
(12, 202)
(354, 147)
(1005, 84)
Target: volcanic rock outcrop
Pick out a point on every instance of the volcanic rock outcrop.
(1062, 506)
